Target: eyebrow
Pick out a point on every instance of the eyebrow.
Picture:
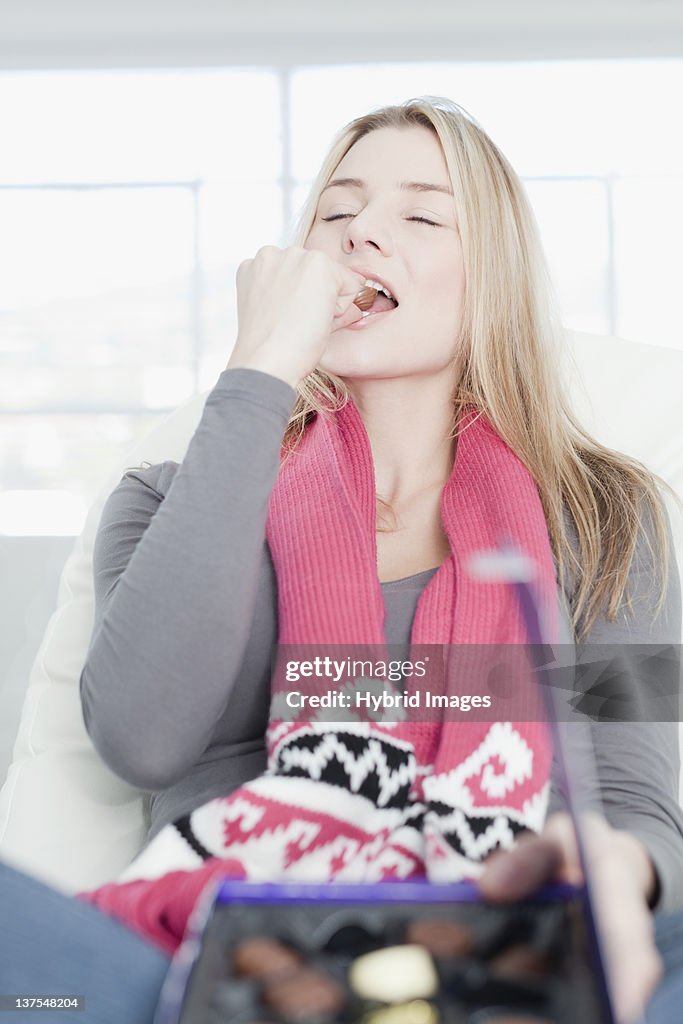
(405, 186)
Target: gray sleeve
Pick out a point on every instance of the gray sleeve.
(637, 762)
(176, 566)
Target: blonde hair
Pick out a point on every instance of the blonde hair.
(507, 366)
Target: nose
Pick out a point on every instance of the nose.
(368, 229)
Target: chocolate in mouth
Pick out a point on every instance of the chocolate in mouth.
(365, 299)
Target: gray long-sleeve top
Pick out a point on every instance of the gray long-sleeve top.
(176, 685)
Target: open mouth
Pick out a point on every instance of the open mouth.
(374, 298)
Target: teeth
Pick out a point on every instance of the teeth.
(369, 283)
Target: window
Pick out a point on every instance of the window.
(128, 198)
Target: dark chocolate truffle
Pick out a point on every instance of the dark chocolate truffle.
(441, 937)
(261, 957)
(306, 995)
(519, 959)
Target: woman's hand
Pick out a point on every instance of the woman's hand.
(623, 881)
(289, 301)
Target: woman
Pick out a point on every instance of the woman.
(416, 199)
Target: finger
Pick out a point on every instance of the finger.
(347, 309)
(350, 316)
(267, 251)
(349, 284)
(560, 829)
(634, 966)
(633, 979)
(243, 269)
(511, 875)
(626, 929)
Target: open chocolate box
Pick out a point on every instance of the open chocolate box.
(391, 953)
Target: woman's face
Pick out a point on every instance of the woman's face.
(388, 212)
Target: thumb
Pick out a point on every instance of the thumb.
(346, 311)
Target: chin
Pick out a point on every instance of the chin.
(359, 369)
(368, 365)
(358, 358)
(348, 365)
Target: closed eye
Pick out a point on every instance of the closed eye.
(419, 220)
(424, 220)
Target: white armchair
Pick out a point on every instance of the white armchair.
(64, 816)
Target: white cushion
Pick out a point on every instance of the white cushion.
(64, 816)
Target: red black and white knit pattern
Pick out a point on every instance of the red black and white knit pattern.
(353, 803)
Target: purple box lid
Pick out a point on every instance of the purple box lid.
(419, 891)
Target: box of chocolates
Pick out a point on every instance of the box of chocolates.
(392, 953)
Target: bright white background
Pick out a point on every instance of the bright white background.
(128, 197)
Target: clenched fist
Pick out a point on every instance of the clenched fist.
(289, 302)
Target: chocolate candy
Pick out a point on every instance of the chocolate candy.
(519, 960)
(262, 957)
(394, 974)
(365, 298)
(441, 937)
(306, 995)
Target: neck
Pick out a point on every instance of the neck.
(408, 422)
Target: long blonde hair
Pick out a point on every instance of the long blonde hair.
(507, 366)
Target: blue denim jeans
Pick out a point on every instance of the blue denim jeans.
(52, 944)
(666, 1005)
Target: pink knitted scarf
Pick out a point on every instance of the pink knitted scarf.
(481, 782)
(321, 533)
